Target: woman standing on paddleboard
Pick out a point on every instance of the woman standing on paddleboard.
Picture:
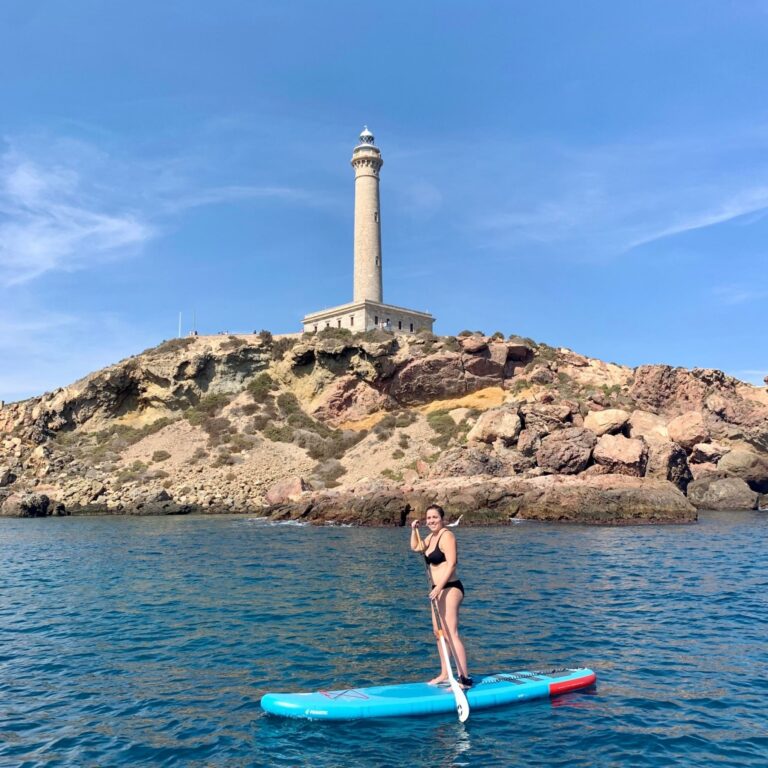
(439, 550)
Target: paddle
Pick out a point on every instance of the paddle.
(462, 705)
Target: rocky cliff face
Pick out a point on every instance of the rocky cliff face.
(372, 427)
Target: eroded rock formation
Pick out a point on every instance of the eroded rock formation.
(370, 428)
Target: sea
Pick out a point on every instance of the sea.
(131, 641)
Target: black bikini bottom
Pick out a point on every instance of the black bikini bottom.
(456, 584)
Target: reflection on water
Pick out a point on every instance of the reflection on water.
(150, 641)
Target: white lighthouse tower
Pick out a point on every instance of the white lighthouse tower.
(367, 309)
(367, 162)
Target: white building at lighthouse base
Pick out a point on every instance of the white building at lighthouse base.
(368, 315)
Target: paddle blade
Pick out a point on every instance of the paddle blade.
(462, 705)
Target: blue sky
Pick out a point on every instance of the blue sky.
(593, 175)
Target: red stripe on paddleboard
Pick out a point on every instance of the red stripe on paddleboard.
(571, 685)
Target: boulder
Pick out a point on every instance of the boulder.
(541, 375)
(472, 345)
(668, 461)
(438, 377)
(545, 418)
(648, 425)
(349, 399)
(160, 502)
(727, 493)
(749, 466)
(528, 442)
(663, 389)
(606, 499)
(595, 469)
(621, 455)
(483, 367)
(466, 461)
(385, 346)
(609, 421)
(496, 424)
(599, 398)
(569, 357)
(688, 429)
(499, 354)
(287, 489)
(698, 471)
(6, 476)
(707, 453)
(26, 505)
(566, 451)
(731, 416)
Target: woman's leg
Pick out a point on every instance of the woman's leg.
(443, 676)
(449, 602)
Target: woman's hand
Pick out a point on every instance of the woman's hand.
(414, 524)
(435, 593)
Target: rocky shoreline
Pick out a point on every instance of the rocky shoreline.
(369, 429)
(606, 500)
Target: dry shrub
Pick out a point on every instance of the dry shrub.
(280, 347)
(260, 387)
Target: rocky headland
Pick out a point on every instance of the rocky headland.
(369, 429)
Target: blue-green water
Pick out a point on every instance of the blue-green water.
(128, 641)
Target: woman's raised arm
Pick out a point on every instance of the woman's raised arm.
(417, 545)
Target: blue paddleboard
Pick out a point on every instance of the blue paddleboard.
(422, 698)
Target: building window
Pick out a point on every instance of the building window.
(376, 216)
(352, 320)
(338, 323)
(315, 329)
(411, 327)
(399, 325)
(375, 319)
(327, 324)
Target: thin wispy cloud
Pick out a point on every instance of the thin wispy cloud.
(751, 203)
(177, 203)
(40, 322)
(71, 206)
(604, 202)
(732, 295)
(48, 222)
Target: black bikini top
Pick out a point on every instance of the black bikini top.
(436, 556)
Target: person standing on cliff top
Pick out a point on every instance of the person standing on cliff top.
(439, 550)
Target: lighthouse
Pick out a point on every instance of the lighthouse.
(367, 162)
(367, 310)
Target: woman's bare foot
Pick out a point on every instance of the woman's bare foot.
(439, 679)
